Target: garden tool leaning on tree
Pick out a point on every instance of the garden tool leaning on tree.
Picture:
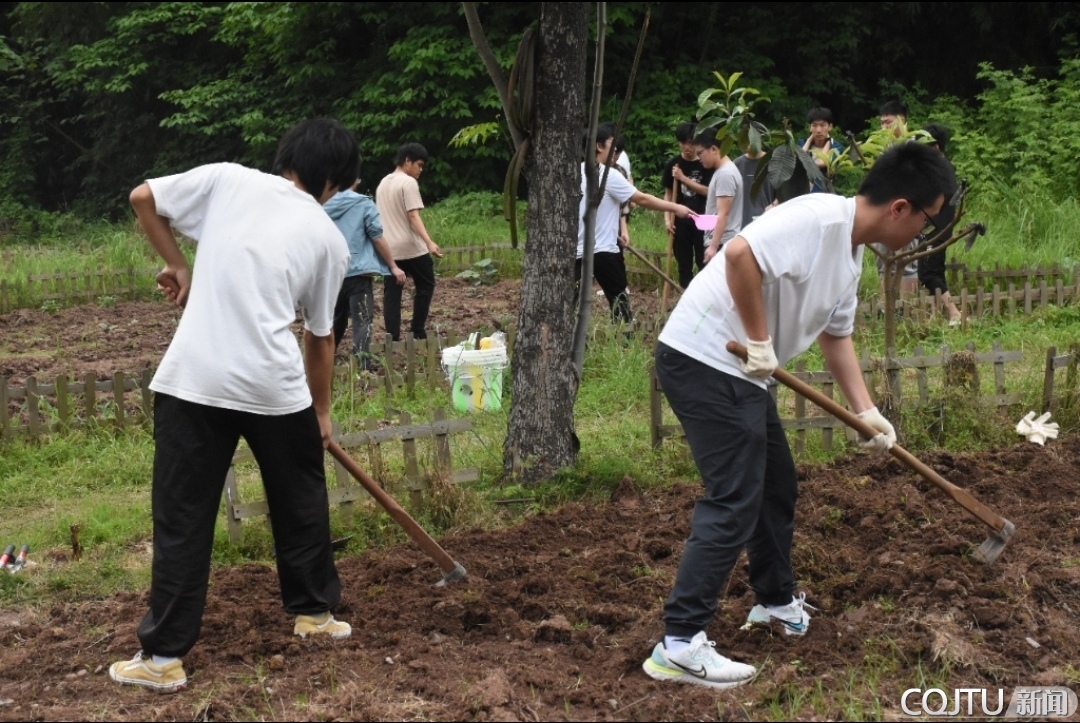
(1001, 529)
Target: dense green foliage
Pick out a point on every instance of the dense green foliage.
(96, 96)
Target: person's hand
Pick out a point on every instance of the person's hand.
(669, 222)
(682, 211)
(175, 283)
(433, 249)
(710, 251)
(886, 437)
(624, 239)
(399, 275)
(761, 360)
(677, 174)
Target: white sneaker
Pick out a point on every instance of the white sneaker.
(793, 616)
(699, 664)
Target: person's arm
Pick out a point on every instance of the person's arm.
(669, 217)
(319, 366)
(658, 204)
(745, 282)
(723, 207)
(418, 227)
(175, 279)
(383, 250)
(624, 231)
(840, 360)
(699, 188)
(843, 364)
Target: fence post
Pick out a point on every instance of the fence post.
(89, 385)
(5, 428)
(147, 395)
(1048, 379)
(62, 407)
(375, 453)
(442, 447)
(32, 410)
(343, 479)
(118, 383)
(388, 364)
(410, 364)
(412, 469)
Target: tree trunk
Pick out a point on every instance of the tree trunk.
(540, 437)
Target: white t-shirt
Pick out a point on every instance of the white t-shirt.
(726, 181)
(617, 191)
(810, 275)
(265, 248)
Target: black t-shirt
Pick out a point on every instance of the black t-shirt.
(694, 171)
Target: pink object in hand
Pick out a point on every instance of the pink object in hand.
(705, 222)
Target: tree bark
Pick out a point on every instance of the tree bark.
(540, 436)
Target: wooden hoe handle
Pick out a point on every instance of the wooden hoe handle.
(957, 494)
(452, 569)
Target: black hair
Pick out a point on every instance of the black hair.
(893, 107)
(912, 171)
(706, 139)
(684, 133)
(410, 152)
(604, 131)
(939, 133)
(316, 151)
(819, 114)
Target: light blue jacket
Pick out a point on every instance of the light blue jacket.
(357, 217)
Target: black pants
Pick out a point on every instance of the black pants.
(932, 272)
(194, 445)
(356, 300)
(609, 270)
(688, 248)
(750, 483)
(422, 271)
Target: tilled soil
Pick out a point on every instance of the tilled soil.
(559, 611)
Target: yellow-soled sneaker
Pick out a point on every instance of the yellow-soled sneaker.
(141, 670)
(323, 624)
(699, 664)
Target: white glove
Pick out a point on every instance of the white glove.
(886, 438)
(1037, 430)
(760, 359)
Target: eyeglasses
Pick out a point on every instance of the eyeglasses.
(929, 228)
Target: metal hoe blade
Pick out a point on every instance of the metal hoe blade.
(994, 544)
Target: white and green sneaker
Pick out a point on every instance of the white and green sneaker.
(793, 616)
(698, 664)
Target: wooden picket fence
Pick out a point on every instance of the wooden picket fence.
(960, 368)
(35, 409)
(457, 259)
(414, 480)
(984, 279)
(998, 301)
(75, 288)
(1066, 396)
